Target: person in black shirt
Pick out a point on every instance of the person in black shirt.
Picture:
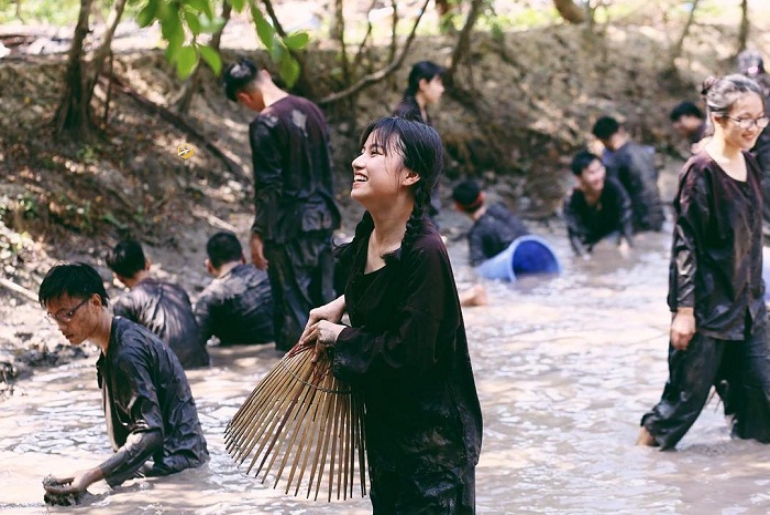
(406, 349)
(425, 87)
(716, 292)
(294, 198)
(237, 307)
(494, 229)
(151, 416)
(634, 167)
(597, 208)
(160, 306)
(687, 120)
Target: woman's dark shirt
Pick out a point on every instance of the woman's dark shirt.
(716, 255)
(407, 351)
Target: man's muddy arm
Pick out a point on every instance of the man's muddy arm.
(125, 463)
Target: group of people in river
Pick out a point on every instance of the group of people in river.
(404, 343)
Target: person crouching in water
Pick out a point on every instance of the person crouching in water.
(494, 229)
(716, 292)
(597, 208)
(406, 348)
(151, 416)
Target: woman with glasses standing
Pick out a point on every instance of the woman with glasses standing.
(716, 292)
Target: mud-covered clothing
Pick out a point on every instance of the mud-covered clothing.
(295, 209)
(449, 491)
(716, 269)
(407, 351)
(493, 232)
(634, 167)
(588, 224)
(165, 309)
(740, 372)
(148, 405)
(292, 171)
(301, 276)
(409, 109)
(716, 255)
(237, 308)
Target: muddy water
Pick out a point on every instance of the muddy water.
(565, 368)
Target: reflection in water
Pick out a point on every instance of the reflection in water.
(565, 369)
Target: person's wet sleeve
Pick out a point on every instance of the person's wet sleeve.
(204, 317)
(626, 218)
(689, 231)
(410, 346)
(137, 397)
(575, 230)
(476, 247)
(268, 178)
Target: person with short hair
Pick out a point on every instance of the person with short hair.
(237, 307)
(494, 226)
(160, 306)
(634, 167)
(716, 292)
(296, 213)
(597, 208)
(687, 120)
(151, 416)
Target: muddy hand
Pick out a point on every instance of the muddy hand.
(60, 486)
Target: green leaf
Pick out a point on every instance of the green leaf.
(277, 52)
(289, 70)
(193, 22)
(173, 33)
(238, 5)
(296, 41)
(211, 26)
(265, 31)
(147, 14)
(202, 6)
(186, 61)
(212, 58)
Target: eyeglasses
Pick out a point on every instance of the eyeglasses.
(65, 317)
(748, 123)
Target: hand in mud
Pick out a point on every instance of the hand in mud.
(682, 328)
(66, 485)
(258, 252)
(324, 334)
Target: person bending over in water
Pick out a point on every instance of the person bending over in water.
(160, 306)
(151, 417)
(406, 348)
(597, 208)
(494, 229)
(716, 292)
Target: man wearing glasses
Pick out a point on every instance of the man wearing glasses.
(151, 416)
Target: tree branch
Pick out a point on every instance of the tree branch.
(676, 51)
(103, 52)
(379, 75)
(369, 27)
(463, 41)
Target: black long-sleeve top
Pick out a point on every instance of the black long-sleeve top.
(716, 254)
(293, 191)
(165, 309)
(407, 350)
(588, 224)
(237, 307)
(634, 167)
(148, 405)
(493, 232)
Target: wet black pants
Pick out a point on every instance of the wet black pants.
(301, 273)
(448, 492)
(740, 371)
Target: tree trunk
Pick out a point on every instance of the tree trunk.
(73, 116)
(193, 83)
(743, 31)
(676, 51)
(463, 41)
(103, 52)
(570, 11)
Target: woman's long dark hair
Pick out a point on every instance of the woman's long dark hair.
(421, 151)
(408, 107)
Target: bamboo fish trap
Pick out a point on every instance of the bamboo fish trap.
(303, 421)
